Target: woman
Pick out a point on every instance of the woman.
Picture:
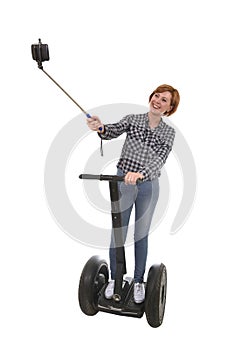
(148, 143)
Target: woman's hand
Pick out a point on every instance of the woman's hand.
(94, 123)
(131, 178)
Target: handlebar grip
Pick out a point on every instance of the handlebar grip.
(89, 177)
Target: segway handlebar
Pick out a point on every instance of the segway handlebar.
(111, 178)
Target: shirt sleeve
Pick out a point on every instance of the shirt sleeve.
(150, 170)
(115, 130)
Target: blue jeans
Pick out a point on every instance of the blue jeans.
(144, 196)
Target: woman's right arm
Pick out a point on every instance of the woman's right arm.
(109, 131)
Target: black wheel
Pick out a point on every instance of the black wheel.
(94, 276)
(155, 298)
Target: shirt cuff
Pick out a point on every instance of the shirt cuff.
(104, 135)
(145, 174)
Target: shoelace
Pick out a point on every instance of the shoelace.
(139, 287)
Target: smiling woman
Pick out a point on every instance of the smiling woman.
(147, 145)
(167, 99)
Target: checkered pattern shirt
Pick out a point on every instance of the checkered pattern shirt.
(145, 150)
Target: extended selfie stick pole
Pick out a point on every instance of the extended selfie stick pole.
(40, 53)
(83, 110)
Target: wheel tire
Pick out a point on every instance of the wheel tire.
(94, 276)
(155, 299)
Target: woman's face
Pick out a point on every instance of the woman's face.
(160, 102)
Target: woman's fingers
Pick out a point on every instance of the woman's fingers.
(131, 178)
(94, 123)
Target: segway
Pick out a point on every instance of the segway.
(95, 275)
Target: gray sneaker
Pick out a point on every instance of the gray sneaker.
(109, 290)
(139, 293)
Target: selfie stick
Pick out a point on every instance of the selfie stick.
(40, 53)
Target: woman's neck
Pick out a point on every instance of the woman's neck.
(154, 120)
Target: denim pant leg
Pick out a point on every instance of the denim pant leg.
(147, 197)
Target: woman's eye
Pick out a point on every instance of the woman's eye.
(164, 100)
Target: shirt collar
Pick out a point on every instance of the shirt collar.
(159, 126)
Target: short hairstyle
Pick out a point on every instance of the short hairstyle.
(175, 97)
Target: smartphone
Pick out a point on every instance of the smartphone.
(40, 53)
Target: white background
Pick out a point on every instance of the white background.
(110, 52)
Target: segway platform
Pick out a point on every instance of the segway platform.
(126, 306)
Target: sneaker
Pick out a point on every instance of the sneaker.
(139, 293)
(109, 290)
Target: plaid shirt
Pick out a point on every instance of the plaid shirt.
(145, 150)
